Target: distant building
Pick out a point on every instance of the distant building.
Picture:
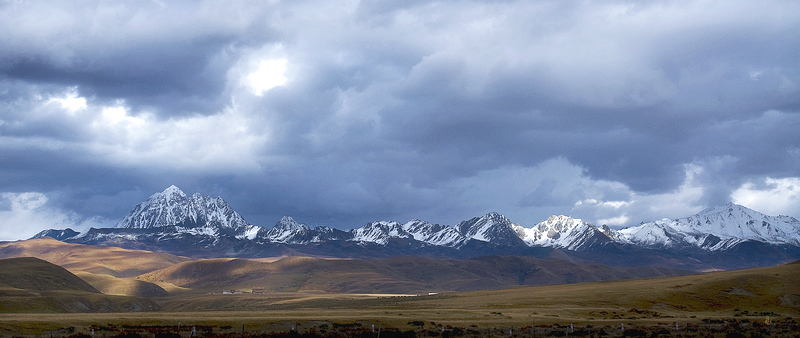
(258, 290)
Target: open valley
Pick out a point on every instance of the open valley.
(720, 303)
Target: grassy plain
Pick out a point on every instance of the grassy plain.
(151, 294)
(729, 300)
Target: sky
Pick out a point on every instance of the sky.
(340, 113)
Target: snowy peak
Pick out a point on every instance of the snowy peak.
(736, 221)
(563, 232)
(287, 231)
(716, 228)
(172, 193)
(721, 216)
(379, 232)
(173, 207)
(492, 227)
(289, 224)
(433, 234)
(559, 224)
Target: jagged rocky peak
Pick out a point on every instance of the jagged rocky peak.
(611, 233)
(289, 224)
(561, 231)
(416, 224)
(559, 223)
(716, 228)
(492, 218)
(379, 232)
(434, 234)
(171, 193)
(496, 217)
(289, 231)
(173, 207)
(492, 227)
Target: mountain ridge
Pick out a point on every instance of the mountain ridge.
(174, 222)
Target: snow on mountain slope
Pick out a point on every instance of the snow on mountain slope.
(379, 232)
(561, 232)
(492, 228)
(173, 207)
(716, 228)
(285, 231)
(434, 234)
(56, 234)
(199, 220)
(288, 231)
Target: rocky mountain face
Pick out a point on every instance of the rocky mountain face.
(200, 225)
(715, 229)
(173, 207)
(288, 231)
(566, 233)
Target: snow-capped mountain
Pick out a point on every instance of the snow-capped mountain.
(173, 207)
(201, 225)
(563, 232)
(492, 228)
(434, 234)
(378, 232)
(713, 229)
(288, 231)
(421, 231)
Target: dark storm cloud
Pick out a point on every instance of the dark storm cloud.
(613, 111)
(171, 58)
(171, 82)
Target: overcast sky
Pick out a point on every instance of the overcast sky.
(339, 113)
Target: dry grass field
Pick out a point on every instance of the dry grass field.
(111, 270)
(112, 261)
(149, 294)
(389, 275)
(723, 304)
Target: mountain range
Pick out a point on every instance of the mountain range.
(722, 237)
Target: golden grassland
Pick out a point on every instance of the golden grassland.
(146, 274)
(739, 295)
(129, 286)
(112, 261)
(153, 293)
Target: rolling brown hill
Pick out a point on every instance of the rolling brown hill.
(30, 284)
(111, 285)
(400, 275)
(112, 261)
(29, 273)
(108, 269)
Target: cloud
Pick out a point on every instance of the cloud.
(24, 214)
(268, 75)
(115, 135)
(438, 110)
(71, 101)
(170, 58)
(772, 196)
